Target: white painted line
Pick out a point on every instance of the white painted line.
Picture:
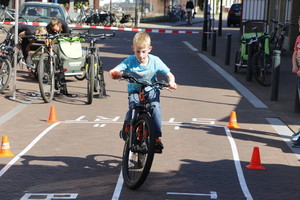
(12, 113)
(285, 134)
(116, 118)
(96, 125)
(171, 120)
(190, 46)
(237, 164)
(204, 120)
(101, 118)
(213, 195)
(118, 187)
(238, 86)
(102, 125)
(177, 128)
(17, 157)
(49, 196)
(80, 118)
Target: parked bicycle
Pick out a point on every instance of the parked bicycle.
(124, 20)
(6, 50)
(261, 61)
(6, 14)
(139, 147)
(94, 66)
(7, 53)
(53, 65)
(277, 35)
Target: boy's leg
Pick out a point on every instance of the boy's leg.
(133, 99)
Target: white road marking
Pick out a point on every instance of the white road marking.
(80, 118)
(116, 118)
(118, 187)
(17, 157)
(213, 195)
(190, 46)
(237, 164)
(49, 196)
(285, 134)
(171, 120)
(238, 86)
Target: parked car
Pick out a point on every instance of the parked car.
(234, 14)
(43, 12)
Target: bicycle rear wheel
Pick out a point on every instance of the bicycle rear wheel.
(90, 78)
(46, 77)
(5, 73)
(138, 158)
(262, 68)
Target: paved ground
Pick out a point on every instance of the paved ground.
(286, 105)
(82, 154)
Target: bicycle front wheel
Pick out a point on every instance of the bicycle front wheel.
(90, 78)
(5, 73)
(138, 157)
(262, 68)
(46, 77)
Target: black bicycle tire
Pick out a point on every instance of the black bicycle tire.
(128, 180)
(237, 60)
(97, 76)
(8, 73)
(128, 23)
(47, 96)
(261, 74)
(80, 77)
(90, 78)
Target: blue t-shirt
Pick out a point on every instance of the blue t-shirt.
(143, 73)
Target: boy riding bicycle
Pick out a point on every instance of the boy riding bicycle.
(144, 66)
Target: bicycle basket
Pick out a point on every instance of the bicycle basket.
(245, 39)
(72, 57)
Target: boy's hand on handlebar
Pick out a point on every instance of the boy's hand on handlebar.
(173, 85)
(116, 74)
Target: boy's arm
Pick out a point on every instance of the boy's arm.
(115, 73)
(171, 79)
(294, 61)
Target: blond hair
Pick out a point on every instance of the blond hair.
(40, 30)
(142, 40)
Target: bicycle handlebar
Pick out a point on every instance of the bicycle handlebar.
(96, 36)
(161, 84)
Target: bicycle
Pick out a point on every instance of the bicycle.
(7, 52)
(5, 64)
(94, 66)
(139, 147)
(124, 20)
(261, 61)
(6, 12)
(277, 35)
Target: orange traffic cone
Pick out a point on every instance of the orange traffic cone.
(233, 121)
(52, 115)
(5, 149)
(255, 160)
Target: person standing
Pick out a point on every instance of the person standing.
(189, 9)
(296, 69)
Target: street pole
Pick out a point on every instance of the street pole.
(220, 19)
(204, 35)
(15, 48)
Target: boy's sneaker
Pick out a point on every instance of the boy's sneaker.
(124, 132)
(295, 136)
(296, 143)
(158, 145)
